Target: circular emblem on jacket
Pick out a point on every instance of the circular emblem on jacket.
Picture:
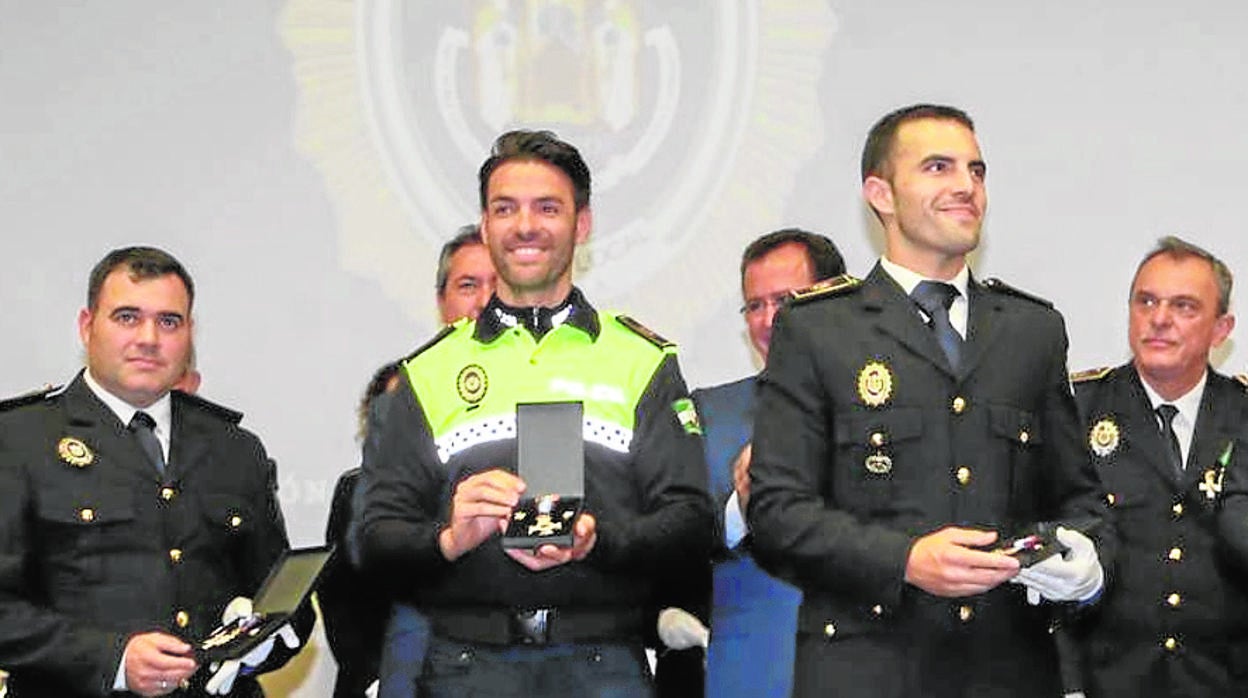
(875, 384)
(1104, 437)
(472, 383)
(74, 452)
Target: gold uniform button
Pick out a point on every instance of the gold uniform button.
(1170, 644)
(86, 515)
(878, 439)
(829, 629)
(1174, 600)
(168, 493)
(964, 475)
(1176, 554)
(1024, 436)
(959, 405)
(1111, 498)
(877, 610)
(175, 556)
(236, 521)
(1177, 508)
(965, 614)
(182, 618)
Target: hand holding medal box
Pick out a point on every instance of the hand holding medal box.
(551, 461)
(288, 586)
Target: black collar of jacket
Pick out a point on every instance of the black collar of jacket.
(497, 317)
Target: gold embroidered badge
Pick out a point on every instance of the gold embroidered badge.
(1104, 437)
(74, 452)
(875, 384)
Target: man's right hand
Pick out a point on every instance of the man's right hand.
(481, 507)
(157, 663)
(945, 563)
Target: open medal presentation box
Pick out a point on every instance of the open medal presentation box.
(550, 458)
(290, 582)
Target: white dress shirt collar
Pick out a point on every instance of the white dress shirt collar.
(161, 411)
(908, 279)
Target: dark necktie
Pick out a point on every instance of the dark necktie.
(1174, 454)
(143, 427)
(935, 298)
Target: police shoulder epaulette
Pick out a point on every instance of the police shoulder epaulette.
(27, 398)
(229, 415)
(1242, 378)
(828, 288)
(441, 335)
(645, 332)
(1090, 374)
(1001, 287)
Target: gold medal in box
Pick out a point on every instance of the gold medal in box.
(550, 458)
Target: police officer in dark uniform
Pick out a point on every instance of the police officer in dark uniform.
(131, 515)
(1164, 430)
(439, 470)
(891, 457)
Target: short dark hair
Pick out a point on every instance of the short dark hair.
(537, 145)
(825, 260)
(466, 235)
(142, 263)
(1178, 248)
(882, 136)
(377, 385)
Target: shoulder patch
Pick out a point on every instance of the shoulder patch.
(229, 415)
(441, 335)
(1242, 378)
(1090, 374)
(28, 398)
(828, 288)
(1000, 286)
(645, 332)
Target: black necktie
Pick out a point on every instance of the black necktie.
(1174, 454)
(935, 298)
(143, 427)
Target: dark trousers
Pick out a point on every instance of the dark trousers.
(456, 669)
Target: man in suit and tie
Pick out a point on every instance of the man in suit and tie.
(753, 615)
(1163, 429)
(132, 514)
(907, 423)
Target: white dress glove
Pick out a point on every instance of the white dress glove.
(224, 673)
(374, 687)
(680, 629)
(1075, 575)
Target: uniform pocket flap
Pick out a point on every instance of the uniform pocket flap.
(1019, 426)
(879, 428)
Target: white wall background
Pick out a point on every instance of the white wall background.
(305, 158)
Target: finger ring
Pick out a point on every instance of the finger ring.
(164, 685)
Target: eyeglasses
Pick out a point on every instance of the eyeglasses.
(758, 306)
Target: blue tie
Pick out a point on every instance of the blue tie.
(935, 298)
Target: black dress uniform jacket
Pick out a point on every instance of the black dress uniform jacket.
(97, 545)
(866, 439)
(1174, 623)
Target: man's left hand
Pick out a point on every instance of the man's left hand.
(1075, 575)
(225, 673)
(584, 535)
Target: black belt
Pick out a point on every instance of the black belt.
(535, 626)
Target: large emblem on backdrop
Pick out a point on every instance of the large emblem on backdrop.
(693, 116)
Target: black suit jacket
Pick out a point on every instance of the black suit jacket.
(353, 607)
(1173, 580)
(97, 545)
(866, 439)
